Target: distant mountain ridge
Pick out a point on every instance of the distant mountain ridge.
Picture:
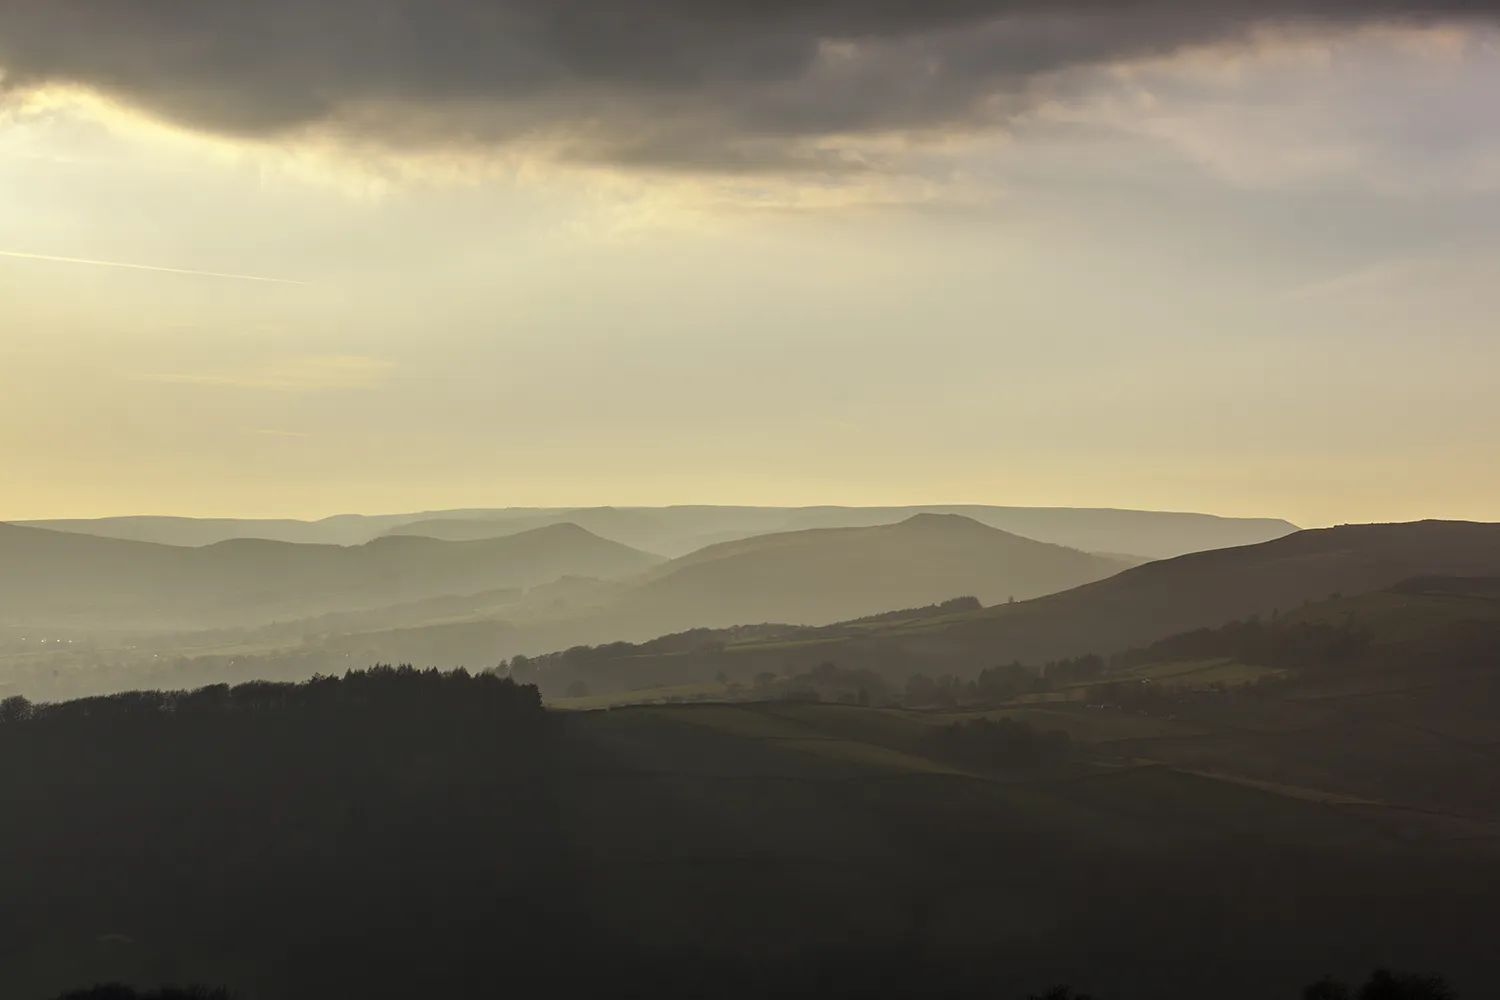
(676, 531)
(49, 575)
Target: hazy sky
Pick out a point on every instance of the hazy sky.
(818, 252)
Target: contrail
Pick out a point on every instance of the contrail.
(148, 267)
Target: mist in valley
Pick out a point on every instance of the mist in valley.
(929, 498)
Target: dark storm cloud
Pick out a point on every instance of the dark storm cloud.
(725, 84)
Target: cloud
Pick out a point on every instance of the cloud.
(297, 374)
(1397, 112)
(147, 267)
(738, 86)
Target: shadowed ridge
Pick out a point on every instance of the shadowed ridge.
(1442, 542)
(1146, 603)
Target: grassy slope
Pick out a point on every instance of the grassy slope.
(777, 826)
(1412, 723)
(770, 829)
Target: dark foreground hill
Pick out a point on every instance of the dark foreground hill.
(82, 579)
(398, 834)
(866, 975)
(1132, 608)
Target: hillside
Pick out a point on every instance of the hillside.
(1132, 608)
(48, 576)
(1145, 534)
(788, 579)
(676, 531)
(803, 578)
(827, 575)
(669, 532)
(1389, 696)
(398, 834)
(1207, 588)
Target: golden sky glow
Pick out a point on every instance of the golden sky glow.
(1255, 280)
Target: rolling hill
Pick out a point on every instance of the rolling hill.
(1145, 534)
(807, 578)
(1132, 608)
(676, 531)
(825, 575)
(669, 531)
(1209, 588)
(56, 576)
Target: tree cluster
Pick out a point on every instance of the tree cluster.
(954, 606)
(331, 829)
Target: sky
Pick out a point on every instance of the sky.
(314, 256)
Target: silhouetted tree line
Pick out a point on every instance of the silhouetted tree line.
(698, 640)
(594, 662)
(381, 688)
(953, 606)
(945, 691)
(330, 833)
(992, 686)
(997, 684)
